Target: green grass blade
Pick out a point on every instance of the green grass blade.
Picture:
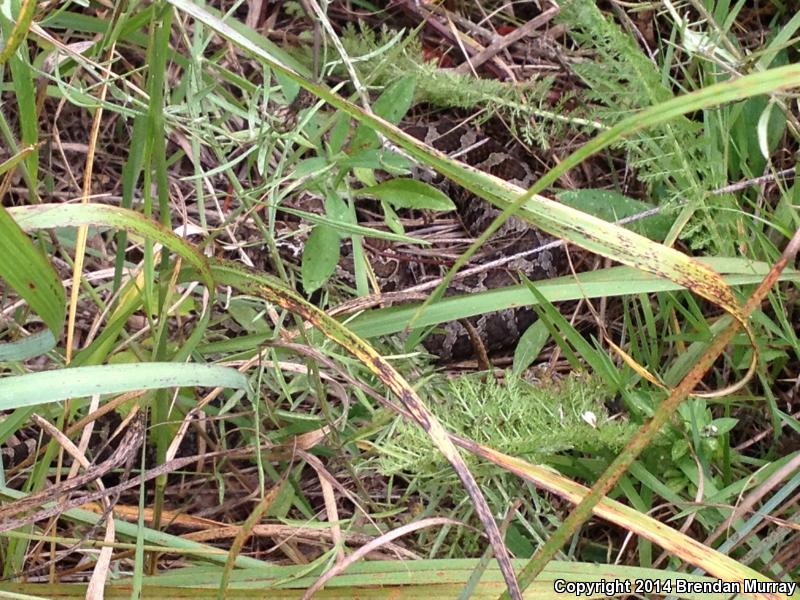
(33, 345)
(51, 386)
(610, 282)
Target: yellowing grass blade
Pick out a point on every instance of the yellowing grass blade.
(676, 543)
(44, 216)
(19, 31)
(273, 290)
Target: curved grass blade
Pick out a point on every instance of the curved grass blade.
(273, 290)
(43, 216)
(245, 531)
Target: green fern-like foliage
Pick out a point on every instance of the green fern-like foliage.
(676, 159)
(532, 421)
(393, 55)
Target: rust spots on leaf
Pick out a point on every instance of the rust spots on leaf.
(383, 370)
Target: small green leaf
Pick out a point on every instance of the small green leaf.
(289, 87)
(309, 166)
(248, 316)
(336, 209)
(518, 543)
(320, 257)
(612, 206)
(755, 131)
(395, 101)
(365, 177)
(392, 105)
(679, 448)
(339, 133)
(371, 158)
(723, 425)
(530, 346)
(364, 139)
(396, 164)
(409, 193)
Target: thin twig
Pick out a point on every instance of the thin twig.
(500, 44)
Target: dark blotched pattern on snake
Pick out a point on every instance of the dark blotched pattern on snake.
(499, 329)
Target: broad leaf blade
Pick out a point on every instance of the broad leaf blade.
(26, 269)
(320, 257)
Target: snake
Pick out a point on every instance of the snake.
(480, 148)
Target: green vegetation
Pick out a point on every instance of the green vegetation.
(222, 183)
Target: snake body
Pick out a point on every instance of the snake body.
(481, 149)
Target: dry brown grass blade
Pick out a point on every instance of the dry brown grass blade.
(606, 482)
(373, 545)
(205, 530)
(128, 445)
(245, 531)
(273, 290)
